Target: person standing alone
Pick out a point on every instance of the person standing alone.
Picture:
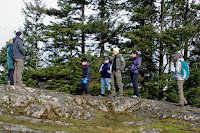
(178, 59)
(10, 61)
(18, 56)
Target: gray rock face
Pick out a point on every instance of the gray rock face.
(12, 127)
(36, 105)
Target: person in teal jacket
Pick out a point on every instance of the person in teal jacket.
(10, 61)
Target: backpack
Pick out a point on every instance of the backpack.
(185, 70)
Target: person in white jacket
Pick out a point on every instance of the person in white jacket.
(178, 59)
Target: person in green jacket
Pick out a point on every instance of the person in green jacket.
(10, 61)
(118, 65)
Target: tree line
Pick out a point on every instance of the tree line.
(155, 28)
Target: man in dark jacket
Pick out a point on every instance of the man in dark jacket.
(118, 65)
(18, 56)
(85, 82)
(136, 64)
(105, 70)
(10, 63)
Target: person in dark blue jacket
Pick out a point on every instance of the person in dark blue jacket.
(105, 70)
(136, 64)
(85, 82)
(18, 57)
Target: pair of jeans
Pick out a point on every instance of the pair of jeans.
(105, 81)
(85, 87)
(10, 76)
(134, 78)
(19, 66)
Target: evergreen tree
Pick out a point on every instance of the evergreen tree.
(104, 24)
(61, 45)
(80, 7)
(4, 67)
(33, 28)
(143, 37)
(157, 32)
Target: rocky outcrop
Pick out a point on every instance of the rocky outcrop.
(38, 103)
(32, 104)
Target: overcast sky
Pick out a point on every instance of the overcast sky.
(12, 18)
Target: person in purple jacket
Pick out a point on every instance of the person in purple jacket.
(136, 64)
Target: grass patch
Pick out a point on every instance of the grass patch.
(109, 122)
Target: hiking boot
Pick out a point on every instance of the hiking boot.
(134, 96)
(120, 95)
(22, 85)
(108, 93)
(185, 103)
(178, 104)
(111, 96)
(88, 96)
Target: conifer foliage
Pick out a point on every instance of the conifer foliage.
(91, 28)
(33, 28)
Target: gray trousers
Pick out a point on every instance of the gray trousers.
(19, 67)
(118, 76)
(182, 99)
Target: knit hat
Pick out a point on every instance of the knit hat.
(18, 33)
(10, 41)
(84, 60)
(178, 55)
(116, 49)
(106, 58)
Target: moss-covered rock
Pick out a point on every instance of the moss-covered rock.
(39, 106)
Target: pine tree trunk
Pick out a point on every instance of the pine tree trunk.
(102, 15)
(83, 34)
(186, 51)
(186, 43)
(36, 47)
(161, 47)
(161, 39)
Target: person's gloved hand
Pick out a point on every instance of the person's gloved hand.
(85, 81)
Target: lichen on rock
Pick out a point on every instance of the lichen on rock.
(39, 105)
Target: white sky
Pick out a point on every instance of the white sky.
(12, 18)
